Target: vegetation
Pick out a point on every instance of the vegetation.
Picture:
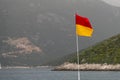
(107, 51)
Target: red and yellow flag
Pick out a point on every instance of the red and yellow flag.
(83, 26)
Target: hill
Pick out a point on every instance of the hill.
(36, 32)
(107, 51)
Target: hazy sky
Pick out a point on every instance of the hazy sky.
(115, 3)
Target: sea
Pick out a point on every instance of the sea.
(47, 74)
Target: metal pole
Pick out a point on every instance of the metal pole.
(77, 39)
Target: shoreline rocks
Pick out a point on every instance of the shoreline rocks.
(87, 67)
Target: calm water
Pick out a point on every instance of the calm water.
(46, 74)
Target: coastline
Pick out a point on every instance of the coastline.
(23, 67)
(87, 67)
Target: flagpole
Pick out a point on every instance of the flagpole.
(83, 28)
(78, 62)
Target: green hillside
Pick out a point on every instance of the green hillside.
(107, 51)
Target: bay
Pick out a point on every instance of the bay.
(47, 74)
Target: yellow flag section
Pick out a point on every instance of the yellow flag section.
(83, 26)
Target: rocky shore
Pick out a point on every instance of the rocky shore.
(87, 67)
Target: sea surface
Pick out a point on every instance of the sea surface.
(47, 74)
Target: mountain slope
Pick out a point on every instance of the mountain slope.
(107, 51)
(49, 26)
